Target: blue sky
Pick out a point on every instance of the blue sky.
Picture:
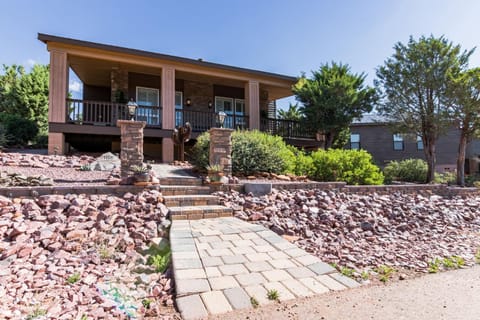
(278, 36)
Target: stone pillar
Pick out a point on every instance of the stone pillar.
(221, 148)
(252, 99)
(168, 111)
(131, 147)
(119, 83)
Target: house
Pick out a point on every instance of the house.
(169, 91)
(373, 134)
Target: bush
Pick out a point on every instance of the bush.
(409, 170)
(303, 163)
(352, 166)
(200, 151)
(255, 151)
(20, 131)
(252, 151)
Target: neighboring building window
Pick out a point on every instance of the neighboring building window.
(355, 141)
(419, 143)
(148, 102)
(398, 142)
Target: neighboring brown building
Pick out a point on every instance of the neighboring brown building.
(169, 91)
(372, 134)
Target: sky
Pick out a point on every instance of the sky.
(281, 36)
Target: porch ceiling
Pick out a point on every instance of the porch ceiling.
(97, 72)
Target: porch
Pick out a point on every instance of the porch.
(105, 114)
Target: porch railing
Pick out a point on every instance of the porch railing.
(203, 121)
(107, 113)
(286, 128)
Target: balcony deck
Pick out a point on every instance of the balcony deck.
(104, 115)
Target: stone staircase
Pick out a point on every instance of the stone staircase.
(188, 199)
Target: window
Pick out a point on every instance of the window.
(178, 108)
(398, 142)
(355, 141)
(419, 143)
(148, 102)
(232, 107)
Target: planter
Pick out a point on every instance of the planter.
(215, 176)
(141, 177)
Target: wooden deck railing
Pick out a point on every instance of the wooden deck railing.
(286, 128)
(203, 121)
(107, 113)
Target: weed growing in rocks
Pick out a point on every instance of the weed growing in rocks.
(74, 278)
(273, 295)
(434, 266)
(348, 272)
(385, 272)
(146, 303)
(477, 256)
(36, 313)
(254, 302)
(365, 275)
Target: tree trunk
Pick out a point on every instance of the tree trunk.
(462, 148)
(431, 159)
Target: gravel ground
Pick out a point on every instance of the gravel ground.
(62, 176)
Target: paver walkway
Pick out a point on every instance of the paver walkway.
(223, 264)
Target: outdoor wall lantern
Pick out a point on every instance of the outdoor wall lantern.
(221, 118)
(132, 107)
(188, 102)
(210, 104)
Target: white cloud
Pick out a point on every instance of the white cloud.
(75, 86)
(30, 63)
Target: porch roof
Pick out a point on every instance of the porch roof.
(46, 38)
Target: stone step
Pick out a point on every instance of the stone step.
(199, 212)
(180, 181)
(184, 190)
(190, 200)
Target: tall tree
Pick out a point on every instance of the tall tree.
(466, 111)
(332, 98)
(26, 94)
(292, 113)
(415, 83)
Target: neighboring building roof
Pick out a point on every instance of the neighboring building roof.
(370, 118)
(50, 38)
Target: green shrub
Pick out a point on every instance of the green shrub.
(352, 166)
(255, 151)
(303, 163)
(20, 131)
(252, 151)
(409, 170)
(447, 178)
(200, 151)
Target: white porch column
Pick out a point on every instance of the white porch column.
(168, 111)
(58, 88)
(252, 99)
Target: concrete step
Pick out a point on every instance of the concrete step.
(190, 200)
(181, 181)
(199, 212)
(183, 190)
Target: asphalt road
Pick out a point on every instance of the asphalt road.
(448, 295)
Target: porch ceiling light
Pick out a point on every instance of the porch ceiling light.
(188, 102)
(132, 106)
(221, 118)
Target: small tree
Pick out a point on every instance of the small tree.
(466, 110)
(332, 98)
(293, 113)
(415, 83)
